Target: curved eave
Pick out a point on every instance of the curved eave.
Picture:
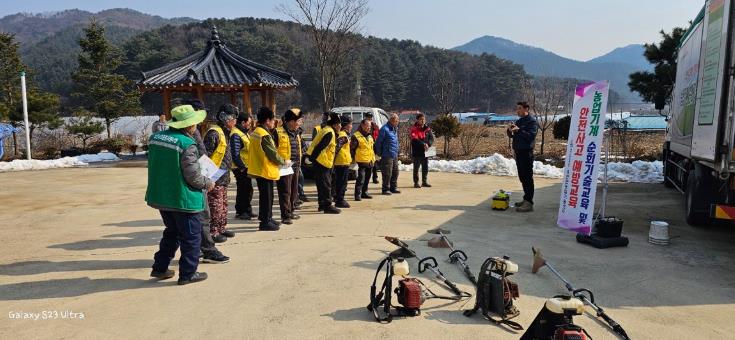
(215, 67)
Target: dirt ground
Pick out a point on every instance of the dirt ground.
(478, 141)
(82, 240)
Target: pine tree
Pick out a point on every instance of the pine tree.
(43, 111)
(656, 87)
(84, 126)
(97, 87)
(10, 68)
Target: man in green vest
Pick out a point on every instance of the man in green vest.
(175, 188)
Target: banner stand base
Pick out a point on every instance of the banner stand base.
(602, 242)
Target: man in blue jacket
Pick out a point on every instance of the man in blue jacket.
(523, 132)
(387, 148)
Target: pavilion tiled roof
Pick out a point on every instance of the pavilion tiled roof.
(217, 65)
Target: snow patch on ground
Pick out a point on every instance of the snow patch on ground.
(638, 171)
(493, 165)
(66, 162)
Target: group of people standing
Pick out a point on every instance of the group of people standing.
(271, 153)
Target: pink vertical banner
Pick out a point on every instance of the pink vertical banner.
(582, 165)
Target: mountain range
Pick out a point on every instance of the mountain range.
(614, 66)
(50, 42)
(31, 28)
(49, 45)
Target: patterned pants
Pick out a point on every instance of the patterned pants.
(217, 198)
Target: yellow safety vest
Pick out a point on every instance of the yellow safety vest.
(258, 164)
(284, 143)
(343, 155)
(244, 151)
(326, 157)
(364, 152)
(219, 153)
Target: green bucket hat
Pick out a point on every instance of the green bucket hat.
(185, 116)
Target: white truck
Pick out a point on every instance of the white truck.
(698, 154)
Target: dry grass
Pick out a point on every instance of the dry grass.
(491, 140)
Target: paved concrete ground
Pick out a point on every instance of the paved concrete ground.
(82, 240)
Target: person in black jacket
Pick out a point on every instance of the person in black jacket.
(523, 132)
(323, 174)
(239, 148)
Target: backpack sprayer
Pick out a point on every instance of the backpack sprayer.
(554, 321)
(411, 292)
(583, 294)
(495, 292)
(426, 263)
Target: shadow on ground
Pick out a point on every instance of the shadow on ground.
(139, 223)
(641, 274)
(41, 267)
(126, 240)
(73, 287)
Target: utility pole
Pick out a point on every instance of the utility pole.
(25, 114)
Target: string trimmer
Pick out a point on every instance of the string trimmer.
(583, 294)
(425, 263)
(455, 256)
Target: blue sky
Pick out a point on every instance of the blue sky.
(576, 29)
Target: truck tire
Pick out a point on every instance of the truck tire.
(697, 198)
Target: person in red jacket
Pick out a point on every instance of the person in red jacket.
(421, 139)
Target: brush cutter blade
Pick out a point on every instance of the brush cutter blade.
(438, 242)
(401, 252)
(538, 260)
(437, 231)
(396, 241)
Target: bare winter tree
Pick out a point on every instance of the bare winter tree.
(334, 25)
(548, 97)
(445, 89)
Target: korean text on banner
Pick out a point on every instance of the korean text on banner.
(577, 204)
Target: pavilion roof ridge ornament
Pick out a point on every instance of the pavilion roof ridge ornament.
(214, 40)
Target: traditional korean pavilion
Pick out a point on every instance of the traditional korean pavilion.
(217, 69)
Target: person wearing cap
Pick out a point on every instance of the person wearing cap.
(421, 140)
(374, 129)
(160, 124)
(386, 146)
(288, 144)
(263, 164)
(240, 149)
(175, 188)
(342, 162)
(322, 153)
(215, 141)
(361, 147)
(209, 252)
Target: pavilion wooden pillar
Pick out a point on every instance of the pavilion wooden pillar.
(272, 100)
(200, 94)
(167, 103)
(247, 106)
(263, 98)
(233, 98)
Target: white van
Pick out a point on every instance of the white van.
(357, 113)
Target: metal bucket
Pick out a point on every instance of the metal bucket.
(659, 233)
